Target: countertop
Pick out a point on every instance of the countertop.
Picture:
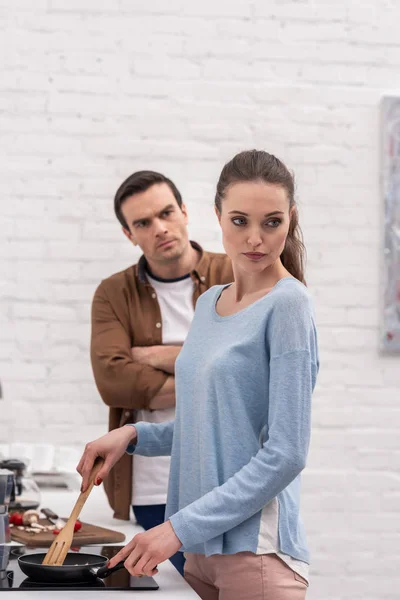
(98, 512)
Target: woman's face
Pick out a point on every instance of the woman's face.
(255, 221)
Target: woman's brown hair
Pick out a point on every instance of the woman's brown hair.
(257, 165)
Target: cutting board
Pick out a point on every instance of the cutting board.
(88, 534)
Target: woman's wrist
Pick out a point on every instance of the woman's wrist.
(132, 432)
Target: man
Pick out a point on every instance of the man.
(140, 318)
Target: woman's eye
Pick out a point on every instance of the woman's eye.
(239, 221)
(274, 223)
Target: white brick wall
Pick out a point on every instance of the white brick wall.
(92, 90)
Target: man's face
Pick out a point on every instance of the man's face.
(156, 224)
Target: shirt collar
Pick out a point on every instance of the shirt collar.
(199, 272)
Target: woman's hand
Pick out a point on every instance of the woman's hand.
(146, 550)
(110, 447)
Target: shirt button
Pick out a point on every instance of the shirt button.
(203, 278)
(154, 295)
(127, 413)
(158, 325)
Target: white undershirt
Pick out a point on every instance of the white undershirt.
(150, 474)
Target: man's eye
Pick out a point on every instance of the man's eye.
(142, 224)
(167, 212)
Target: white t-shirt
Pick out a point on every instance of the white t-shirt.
(150, 474)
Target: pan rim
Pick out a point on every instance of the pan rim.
(25, 560)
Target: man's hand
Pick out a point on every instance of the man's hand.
(165, 397)
(144, 354)
(147, 550)
(158, 357)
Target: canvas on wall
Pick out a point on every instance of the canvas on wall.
(390, 123)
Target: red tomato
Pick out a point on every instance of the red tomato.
(77, 526)
(16, 519)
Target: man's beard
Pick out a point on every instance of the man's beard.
(172, 257)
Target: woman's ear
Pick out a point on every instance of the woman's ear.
(292, 214)
(217, 212)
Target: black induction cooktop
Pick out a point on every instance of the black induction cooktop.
(13, 579)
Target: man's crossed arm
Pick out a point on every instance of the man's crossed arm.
(161, 358)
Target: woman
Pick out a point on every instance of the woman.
(244, 381)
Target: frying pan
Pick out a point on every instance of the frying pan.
(77, 568)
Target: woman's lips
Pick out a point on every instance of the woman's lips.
(254, 255)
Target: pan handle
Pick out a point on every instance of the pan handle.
(105, 571)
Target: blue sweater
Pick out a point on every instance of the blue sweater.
(242, 428)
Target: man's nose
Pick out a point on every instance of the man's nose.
(160, 227)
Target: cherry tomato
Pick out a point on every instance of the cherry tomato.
(77, 526)
(16, 519)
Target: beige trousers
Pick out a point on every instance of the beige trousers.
(243, 576)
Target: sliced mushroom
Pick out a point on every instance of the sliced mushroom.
(60, 524)
(38, 526)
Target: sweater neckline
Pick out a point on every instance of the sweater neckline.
(220, 289)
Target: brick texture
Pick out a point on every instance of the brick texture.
(92, 90)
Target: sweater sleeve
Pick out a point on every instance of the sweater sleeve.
(282, 456)
(154, 439)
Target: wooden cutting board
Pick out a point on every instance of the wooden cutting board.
(88, 534)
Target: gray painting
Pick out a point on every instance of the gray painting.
(390, 329)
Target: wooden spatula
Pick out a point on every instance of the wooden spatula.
(62, 543)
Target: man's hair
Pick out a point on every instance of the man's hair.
(140, 182)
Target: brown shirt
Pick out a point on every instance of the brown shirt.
(126, 313)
